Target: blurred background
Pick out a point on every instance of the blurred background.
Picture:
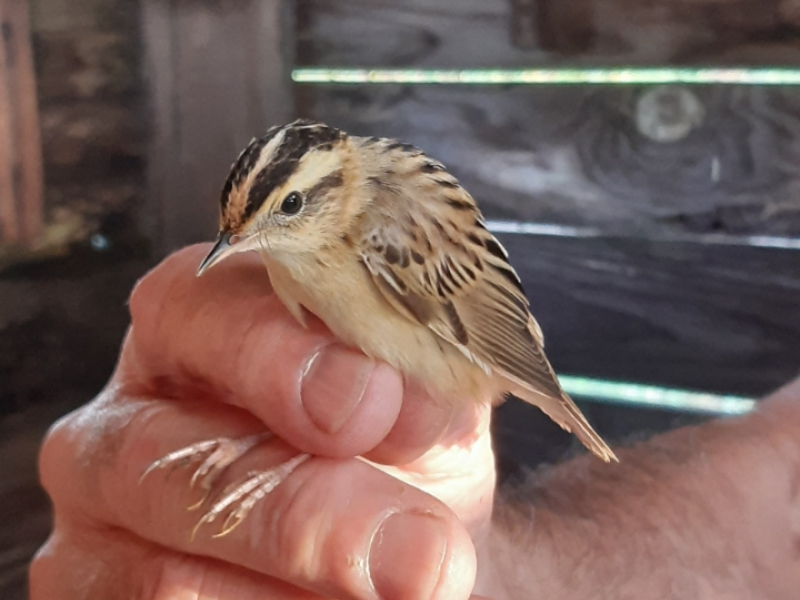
(640, 160)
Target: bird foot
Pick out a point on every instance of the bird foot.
(215, 456)
(238, 499)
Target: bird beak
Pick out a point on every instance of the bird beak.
(221, 249)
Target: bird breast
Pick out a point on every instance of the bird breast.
(344, 297)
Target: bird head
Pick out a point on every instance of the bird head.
(286, 193)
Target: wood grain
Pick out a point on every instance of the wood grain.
(683, 314)
(218, 76)
(21, 178)
(679, 314)
(579, 156)
(482, 33)
(635, 158)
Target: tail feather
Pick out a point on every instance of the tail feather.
(567, 414)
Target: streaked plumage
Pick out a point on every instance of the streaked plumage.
(393, 255)
(382, 244)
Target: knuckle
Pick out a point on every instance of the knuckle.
(56, 452)
(308, 549)
(141, 303)
(136, 298)
(193, 577)
(78, 445)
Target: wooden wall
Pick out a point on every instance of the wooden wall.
(654, 170)
(521, 33)
(21, 194)
(723, 158)
(218, 75)
(88, 77)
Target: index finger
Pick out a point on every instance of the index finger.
(226, 335)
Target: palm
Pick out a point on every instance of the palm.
(459, 470)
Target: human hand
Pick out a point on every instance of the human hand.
(220, 356)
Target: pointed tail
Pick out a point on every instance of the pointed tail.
(567, 414)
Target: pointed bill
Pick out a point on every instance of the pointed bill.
(221, 249)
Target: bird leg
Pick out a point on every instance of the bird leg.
(217, 455)
(240, 498)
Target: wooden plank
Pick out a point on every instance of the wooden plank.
(688, 315)
(683, 314)
(9, 226)
(21, 178)
(652, 160)
(158, 66)
(30, 177)
(217, 76)
(481, 33)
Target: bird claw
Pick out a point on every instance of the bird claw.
(237, 499)
(216, 456)
(243, 496)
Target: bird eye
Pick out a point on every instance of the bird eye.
(292, 204)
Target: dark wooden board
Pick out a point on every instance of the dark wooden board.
(706, 317)
(217, 75)
(589, 155)
(517, 33)
(677, 314)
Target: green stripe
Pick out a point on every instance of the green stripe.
(555, 76)
(650, 396)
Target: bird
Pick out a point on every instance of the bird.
(381, 243)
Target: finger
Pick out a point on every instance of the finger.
(421, 423)
(81, 562)
(337, 528)
(326, 386)
(225, 334)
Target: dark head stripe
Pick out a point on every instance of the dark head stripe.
(245, 163)
(299, 138)
(330, 181)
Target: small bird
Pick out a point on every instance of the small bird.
(381, 243)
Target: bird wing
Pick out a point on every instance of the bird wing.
(441, 267)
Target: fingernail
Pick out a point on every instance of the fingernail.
(333, 385)
(406, 557)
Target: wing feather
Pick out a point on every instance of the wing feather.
(466, 294)
(444, 270)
